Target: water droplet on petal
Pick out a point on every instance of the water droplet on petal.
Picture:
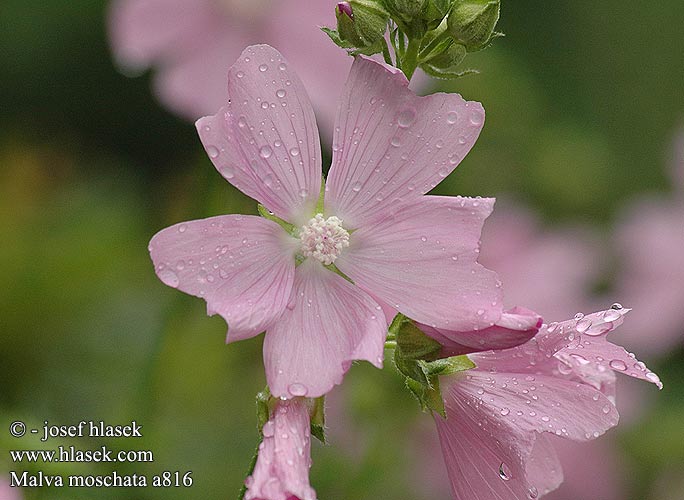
(452, 117)
(265, 152)
(395, 141)
(579, 316)
(618, 364)
(505, 411)
(583, 325)
(476, 118)
(212, 152)
(268, 430)
(504, 472)
(533, 492)
(294, 152)
(263, 68)
(240, 74)
(281, 93)
(356, 187)
(297, 389)
(617, 306)
(182, 228)
(168, 277)
(611, 315)
(406, 118)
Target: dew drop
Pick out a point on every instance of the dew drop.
(281, 93)
(265, 152)
(297, 389)
(476, 118)
(452, 117)
(282, 66)
(504, 472)
(618, 364)
(240, 74)
(182, 228)
(356, 187)
(395, 141)
(242, 122)
(443, 172)
(505, 411)
(294, 152)
(268, 430)
(406, 118)
(579, 316)
(606, 409)
(169, 278)
(263, 68)
(583, 325)
(617, 306)
(612, 315)
(212, 152)
(533, 492)
(228, 172)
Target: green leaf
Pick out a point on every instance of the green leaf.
(335, 37)
(412, 343)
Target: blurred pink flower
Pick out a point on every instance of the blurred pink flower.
(282, 468)
(192, 42)
(493, 439)
(649, 240)
(416, 253)
(548, 270)
(7, 492)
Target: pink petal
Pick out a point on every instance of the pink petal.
(265, 141)
(541, 402)
(515, 327)
(421, 260)
(243, 266)
(327, 324)
(485, 456)
(543, 468)
(282, 468)
(391, 145)
(142, 32)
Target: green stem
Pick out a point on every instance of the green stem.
(252, 464)
(410, 60)
(390, 344)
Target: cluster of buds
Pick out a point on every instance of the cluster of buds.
(434, 35)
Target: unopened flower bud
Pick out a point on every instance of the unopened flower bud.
(361, 23)
(472, 22)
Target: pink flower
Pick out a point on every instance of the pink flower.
(416, 253)
(192, 42)
(7, 492)
(649, 239)
(282, 468)
(550, 270)
(493, 440)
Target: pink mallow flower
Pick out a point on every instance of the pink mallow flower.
(416, 253)
(561, 382)
(7, 492)
(649, 240)
(192, 42)
(282, 467)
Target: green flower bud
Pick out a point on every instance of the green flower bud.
(361, 23)
(472, 22)
(435, 11)
(409, 15)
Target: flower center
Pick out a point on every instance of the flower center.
(323, 239)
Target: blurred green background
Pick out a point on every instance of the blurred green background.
(582, 100)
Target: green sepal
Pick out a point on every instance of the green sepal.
(412, 343)
(429, 397)
(448, 75)
(445, 65)
(335, 37)
(267, 214)
(472, 22)
(436, 11)
(317, 415)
